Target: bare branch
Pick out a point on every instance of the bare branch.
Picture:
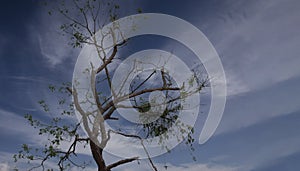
(93, 87)
(110, 58)
(142, 143)
(111, 103)
(69, 90)
(109, 113)
(142, 83)
(82, 113)
(124, 161)
(151, 90)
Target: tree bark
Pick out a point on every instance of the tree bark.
(98, 157)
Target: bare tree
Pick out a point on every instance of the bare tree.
(101, 99)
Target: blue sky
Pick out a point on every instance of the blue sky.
(258, 43)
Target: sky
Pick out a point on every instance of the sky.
(258, 44)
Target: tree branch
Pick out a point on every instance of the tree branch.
(142, 83)
(109, 113)
(142, 143)
(124, 161)
(110, 58)
(82, 113)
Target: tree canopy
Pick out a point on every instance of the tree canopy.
(152, 99)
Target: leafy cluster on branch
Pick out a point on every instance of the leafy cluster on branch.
(56, 133)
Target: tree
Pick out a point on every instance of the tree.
(100, 101)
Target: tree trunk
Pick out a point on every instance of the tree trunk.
(97, 155)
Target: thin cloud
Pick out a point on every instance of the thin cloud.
(24, 131)
(4, 167)
(260, 50)
(53, 46)
(187, 166)
(15, 125)
(240, 111)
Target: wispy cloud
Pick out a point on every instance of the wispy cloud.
(180, 167)
(7, 164)
(256, 145)
(34, 79)
(260, 49)
(53, 46)
(14, 124)
(254, 107)
(4, 167)
(202, 167)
